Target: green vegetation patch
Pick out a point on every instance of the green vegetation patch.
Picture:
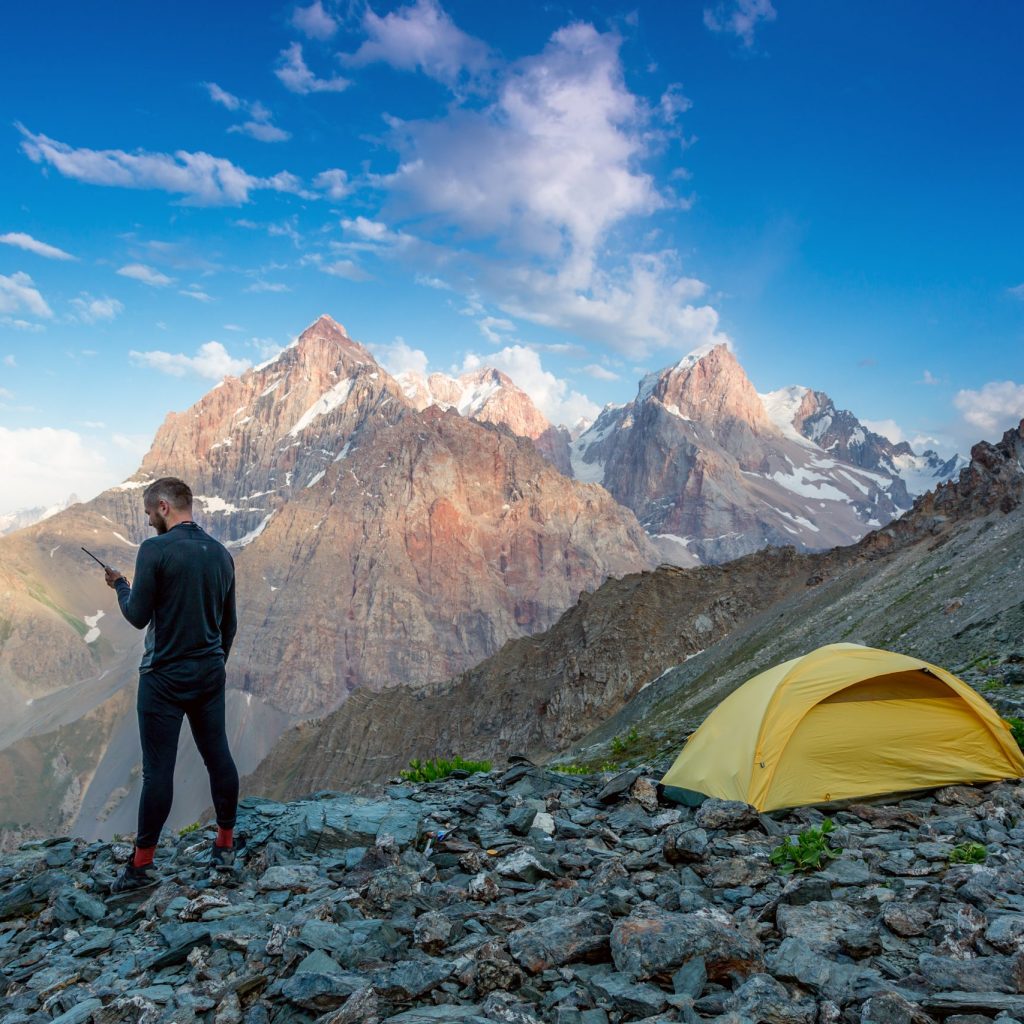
(189, 829)
(808, 851)
(1017, 728)
(43, 598)
(441, 768)
(968, 853)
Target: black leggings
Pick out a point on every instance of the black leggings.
(161, 705)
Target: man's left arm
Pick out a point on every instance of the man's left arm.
(228, 619)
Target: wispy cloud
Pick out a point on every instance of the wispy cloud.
(268, 286)
(260, 124)
(201, 179)
(1017, 291)
(195, 292)
(600, 372)
(739, 17)
(90, 310)
(296, 77)
(420, 36)
(18, 292)
(30, 244)
(314, 22)
(212, 361)
(147, 275)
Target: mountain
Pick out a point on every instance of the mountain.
(20, 518)
(713, 470)
(374, 544)
(490, 396)
(657, 650)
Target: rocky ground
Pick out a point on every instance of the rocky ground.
(531, 896)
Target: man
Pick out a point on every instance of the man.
(184, 592)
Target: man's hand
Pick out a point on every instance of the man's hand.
(113, 576)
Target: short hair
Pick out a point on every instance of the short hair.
(175, 492)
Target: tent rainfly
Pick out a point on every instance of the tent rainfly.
(845, 721)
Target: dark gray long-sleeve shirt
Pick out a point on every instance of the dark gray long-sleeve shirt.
(184, 591)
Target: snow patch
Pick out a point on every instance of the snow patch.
(251, 535)
(123, 540)
(215, 504)
(781, 407)
(327, 402)
(316, 479)
(91, 621)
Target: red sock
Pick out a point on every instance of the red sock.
(143, 856)
(225, 837)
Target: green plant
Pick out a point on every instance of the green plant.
(620, 744)
(809, 851)
(441, 768)
(1017, 728)
(968, 853)
(194, 827)
(570, 769)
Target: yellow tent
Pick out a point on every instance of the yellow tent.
(845, 721)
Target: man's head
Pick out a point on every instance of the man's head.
(167, 501)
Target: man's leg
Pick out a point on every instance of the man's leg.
(206, 719)
(159, 727)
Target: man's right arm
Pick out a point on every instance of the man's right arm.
(138, 600)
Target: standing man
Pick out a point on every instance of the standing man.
(184, 592)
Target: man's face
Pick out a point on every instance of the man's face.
(157, 516)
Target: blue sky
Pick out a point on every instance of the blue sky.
(577, 193)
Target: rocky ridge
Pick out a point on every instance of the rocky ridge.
(532, 897)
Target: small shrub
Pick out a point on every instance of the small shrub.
(441, 768)
(188, 829)
(570, 769)
(809, 852)
(968, 853)
(620, 744)
(1017, 728)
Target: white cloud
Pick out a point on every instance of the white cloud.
(600, 372)
(202, 179)
(21, 325)
(347, 269)
(9, 360)
(30, 244)
(4, 393)
(195, 292)
(212, 361)
(401, 358)
(90, 310)
(261, 131)
(219, 95)
(996, 407)
(548, 172)
(930, 378)
(147, 275)
(492, 326)
(421, 36)
(233, 327)
(553, 396)
(334, 182)
(267, 286)
(314, 21)
(42, 465)
(266, 348)
(297, 77)
(18, 292)
(739, 17)
(1017, 291)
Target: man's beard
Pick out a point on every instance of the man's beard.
(160, 525)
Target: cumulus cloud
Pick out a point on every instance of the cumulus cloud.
(18, 292)
(739, 17)
(400, 357)
(992, 409)
(147, 275)
(548, 171)
(314, 22)
(90, 311)
(201, 179)
(295, 76)
(334, 182)
(348, 269)
(224, 98)
(420, 36)
(553, 396)
(30, 244)
(211, 361)
(42, 465)
(261, 131)
(929, 378)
